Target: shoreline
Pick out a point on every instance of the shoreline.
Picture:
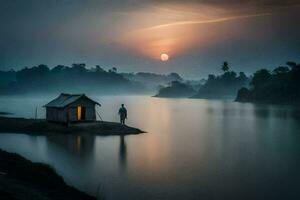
(43, 127)
(22, 179)
(5, 113)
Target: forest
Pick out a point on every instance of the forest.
(279, 86)
(221, 86)
(79, 78)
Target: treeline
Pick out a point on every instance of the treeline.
(225, 85)
(78, 78)
(282, 85)
(74, 79)
(176, 89)
(153, 81)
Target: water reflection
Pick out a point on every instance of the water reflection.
(76, 145)
(277, 111)
(296, 114)
(190, 145)
(123, 152)
(230, 109)
(262, 112)
(83, 146)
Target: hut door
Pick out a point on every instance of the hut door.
(83, 112)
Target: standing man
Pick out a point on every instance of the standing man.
(123, 114)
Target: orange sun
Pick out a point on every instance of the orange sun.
(164, 57)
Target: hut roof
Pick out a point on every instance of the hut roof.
(64, 100)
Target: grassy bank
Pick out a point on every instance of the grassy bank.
(22, 179)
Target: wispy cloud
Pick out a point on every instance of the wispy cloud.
(191, 22)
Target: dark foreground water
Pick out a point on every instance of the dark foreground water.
(194, 149)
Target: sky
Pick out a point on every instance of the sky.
(131, 35)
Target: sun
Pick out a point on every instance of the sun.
(164, 57)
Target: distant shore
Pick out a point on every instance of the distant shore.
(5, 113)
(22, 179)
(41, 127)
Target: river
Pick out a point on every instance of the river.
(193, 149)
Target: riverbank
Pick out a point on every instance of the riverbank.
(22, 179)
(41, 127)
(5, 113)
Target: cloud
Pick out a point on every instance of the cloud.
(136, 31)
(209, 21)
(273, 3)
(176, 28)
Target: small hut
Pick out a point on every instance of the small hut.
(71, 108)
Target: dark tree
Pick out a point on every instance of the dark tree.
(281, 70)
(280, 86)
(58, 68)
(225, 67)
(75, 79)
(291, 64)
(222, 86)
(98, 68)
(260, 77)
(176, 89)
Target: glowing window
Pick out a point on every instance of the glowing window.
(79, 113)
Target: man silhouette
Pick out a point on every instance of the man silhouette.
(123, 114)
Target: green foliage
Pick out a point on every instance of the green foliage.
(260, 77)
(279, 86)
(281, 70)
(176, 89)
(224, 85)
(243, 95)
(74, 79)
(225, 66)
(291, 64)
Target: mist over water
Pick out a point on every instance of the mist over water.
(193, 149)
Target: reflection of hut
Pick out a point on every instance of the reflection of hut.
(71, 108)
(77, 145)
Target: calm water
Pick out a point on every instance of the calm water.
(194, 149)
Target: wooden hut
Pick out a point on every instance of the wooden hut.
(71, 108)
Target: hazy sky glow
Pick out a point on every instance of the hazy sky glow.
(131, 35)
